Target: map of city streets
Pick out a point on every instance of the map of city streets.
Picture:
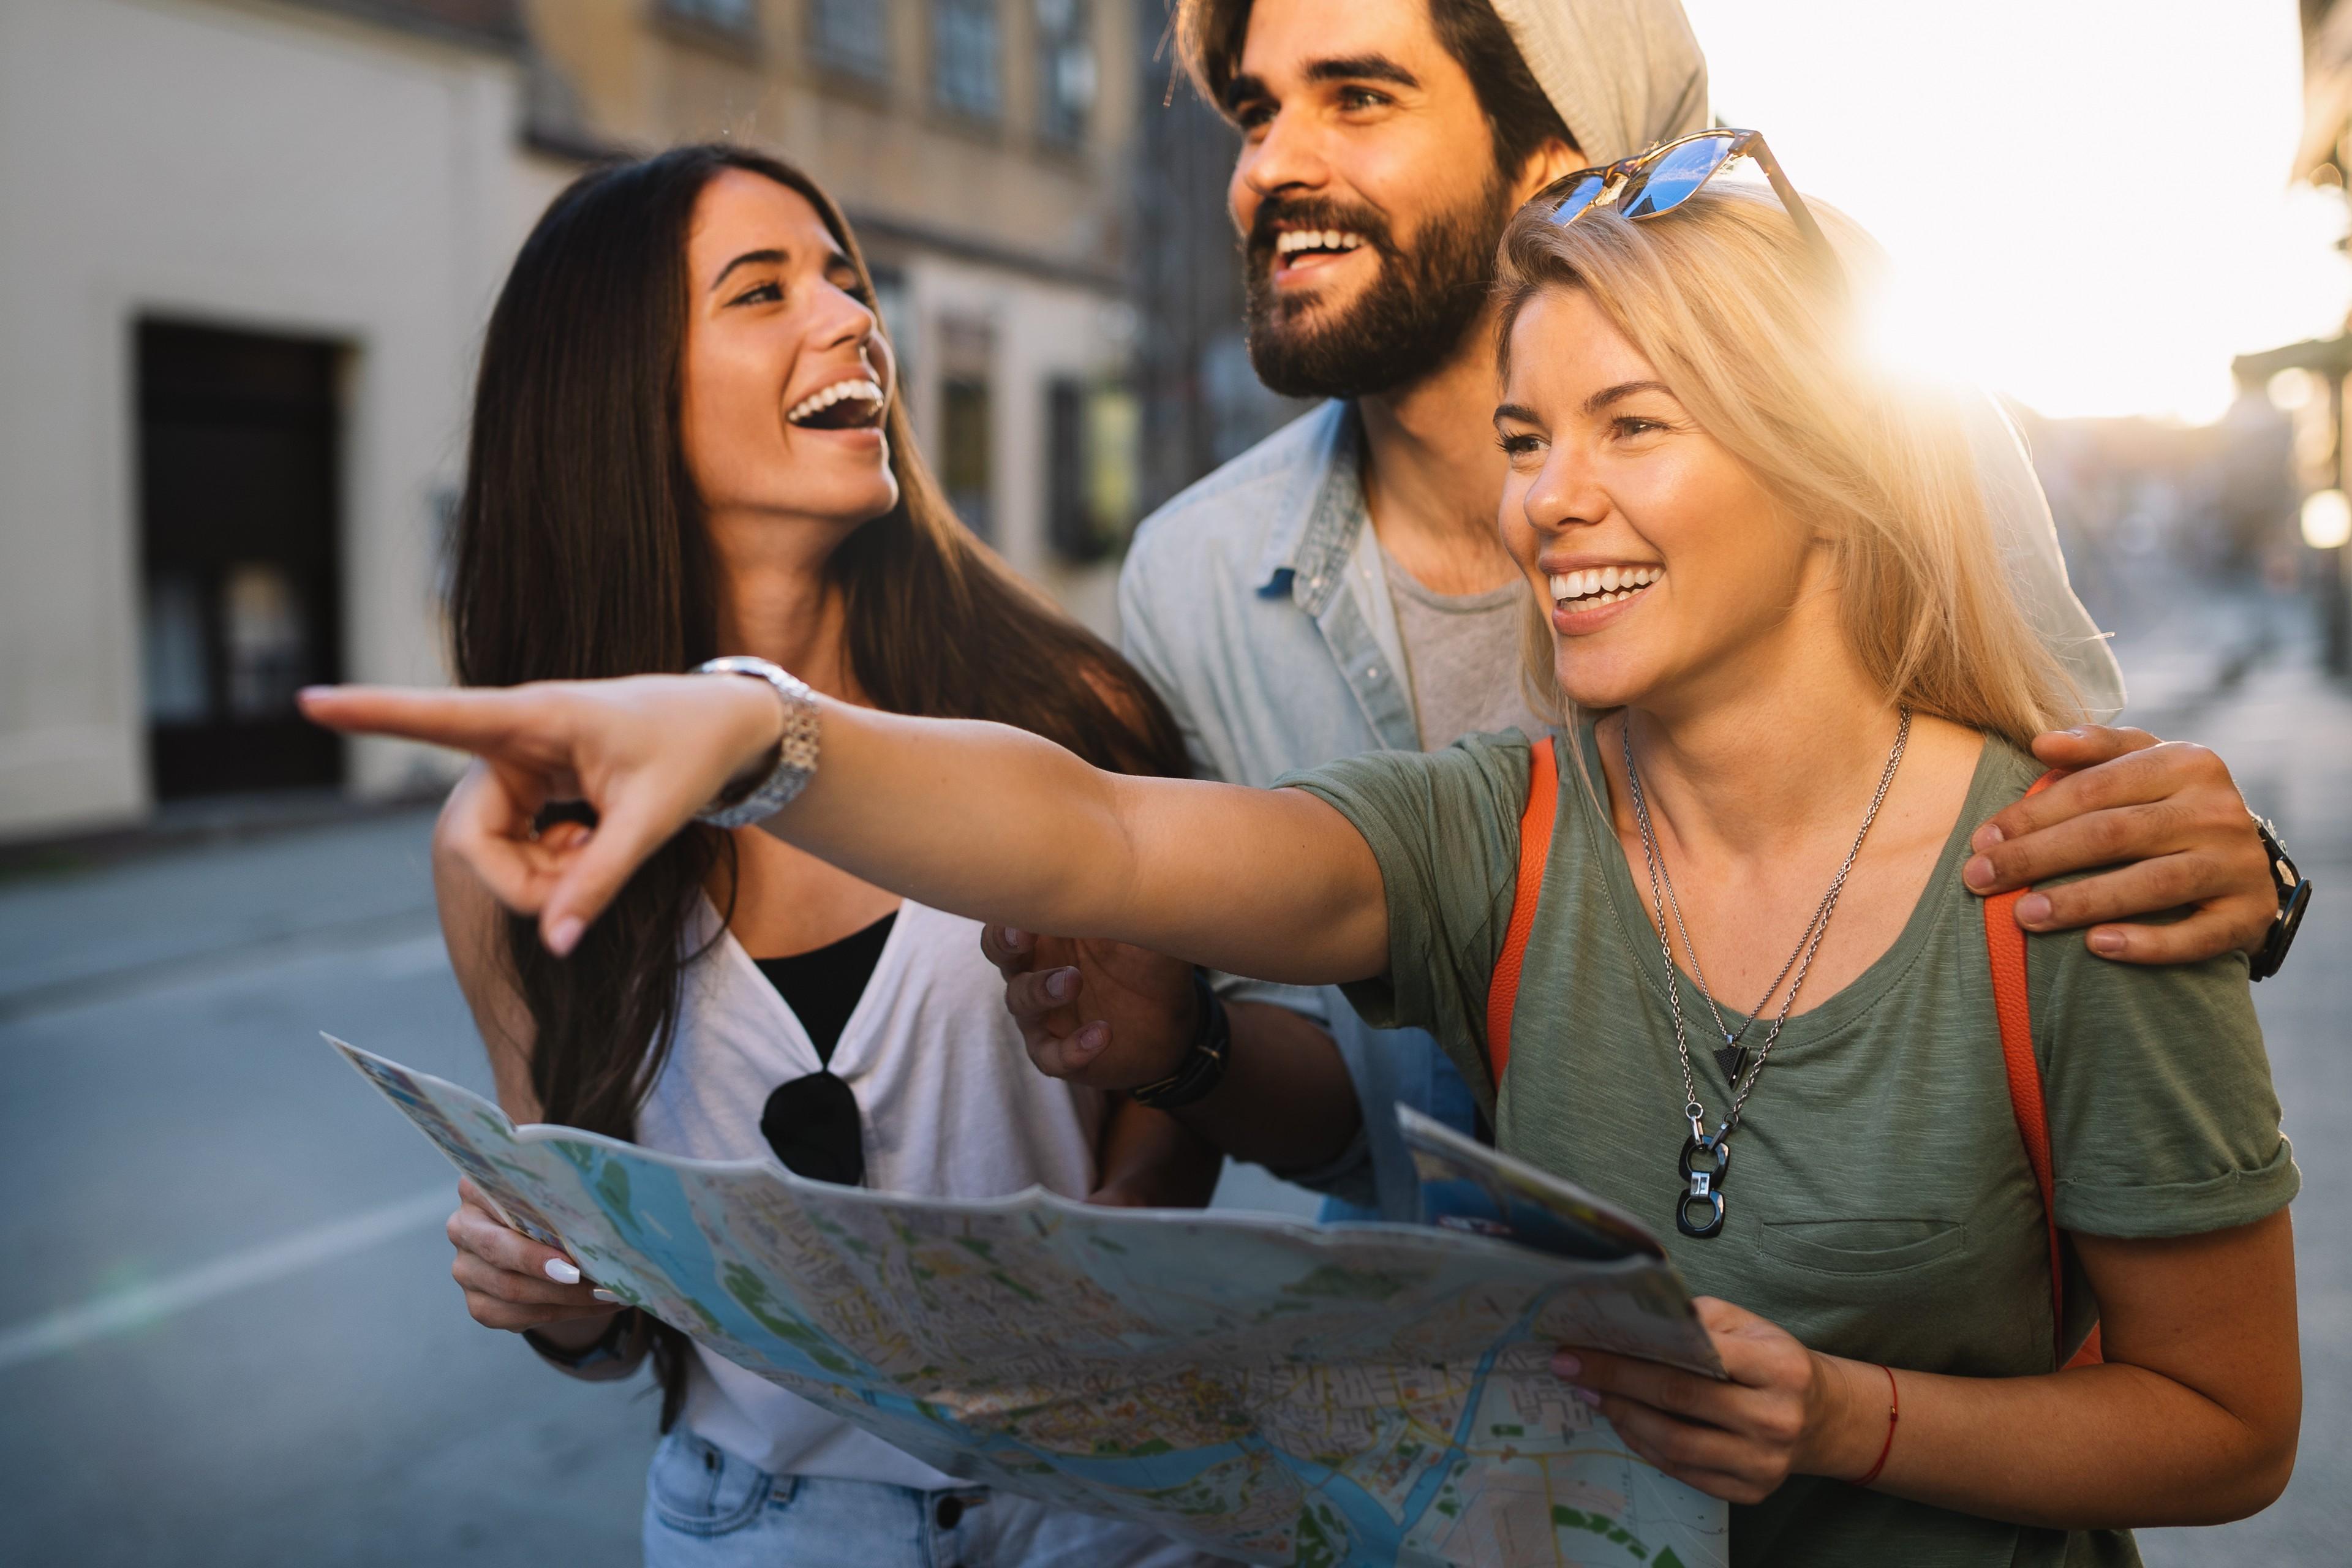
(1269, 1389)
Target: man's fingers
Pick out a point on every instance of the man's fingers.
(2227, 925)
(1014, 952)
(2087, 745)
(2140, 887)
(1046, 996)
(2106, 838)
(2166, 770)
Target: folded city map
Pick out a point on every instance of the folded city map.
(1273, 1390)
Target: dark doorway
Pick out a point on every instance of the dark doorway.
(238, 484)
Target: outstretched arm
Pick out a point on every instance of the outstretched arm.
(979, 819)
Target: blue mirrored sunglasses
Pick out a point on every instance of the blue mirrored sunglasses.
(1662, 178)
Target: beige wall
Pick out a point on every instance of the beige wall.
(246, 165)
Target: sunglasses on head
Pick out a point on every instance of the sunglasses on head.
(1662, 179)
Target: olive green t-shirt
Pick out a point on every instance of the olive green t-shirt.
(1878, 1202)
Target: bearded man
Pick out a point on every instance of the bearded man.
(1341, 587)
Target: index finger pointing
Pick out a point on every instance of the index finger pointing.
(475, 721)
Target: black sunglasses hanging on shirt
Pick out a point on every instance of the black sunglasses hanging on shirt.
(813, 1123)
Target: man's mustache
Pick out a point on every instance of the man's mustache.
(1277, 214)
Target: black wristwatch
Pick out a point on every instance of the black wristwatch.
(1204, 1067)
(2294, 897)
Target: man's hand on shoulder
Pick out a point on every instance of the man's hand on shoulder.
(2165, 816)
(1101, 1013)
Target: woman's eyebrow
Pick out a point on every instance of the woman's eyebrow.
(1623, 389)
(749, 258)
(1518, 411)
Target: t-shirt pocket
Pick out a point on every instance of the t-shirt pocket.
(1874, 1249)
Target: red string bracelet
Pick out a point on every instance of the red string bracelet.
(1894, 1410)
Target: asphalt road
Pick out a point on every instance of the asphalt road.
(229, 1336)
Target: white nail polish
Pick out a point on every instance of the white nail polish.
(562, 1272)
(604, 1295)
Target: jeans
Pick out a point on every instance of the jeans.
(706, 1509)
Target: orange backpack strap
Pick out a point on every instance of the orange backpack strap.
(1535, 849)
(2006, 945)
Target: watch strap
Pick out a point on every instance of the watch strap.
(1204, 1067)
(794, 753)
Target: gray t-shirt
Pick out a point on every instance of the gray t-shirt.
(1462, 653)
(1880, 1203)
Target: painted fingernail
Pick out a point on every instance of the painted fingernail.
(1062, 985)
(564, 935)
(2107, 943)
(1585, 1396)
(604, 1295)
(2032, 910)
(1987, 836)
(1566, 1365)
(563, 1271)
(1977, 872)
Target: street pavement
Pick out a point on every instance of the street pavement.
(230, 1338)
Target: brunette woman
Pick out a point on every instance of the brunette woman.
(688, 442)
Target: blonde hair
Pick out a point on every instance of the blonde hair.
(1743, 322)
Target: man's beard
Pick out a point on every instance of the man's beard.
(1407, 324)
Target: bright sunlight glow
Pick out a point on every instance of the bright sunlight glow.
(2086, 201)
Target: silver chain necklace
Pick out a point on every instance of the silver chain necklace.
(1702, 1191)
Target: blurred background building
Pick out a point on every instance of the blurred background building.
(252, 244)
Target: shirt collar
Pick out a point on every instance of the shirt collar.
(1322, 512)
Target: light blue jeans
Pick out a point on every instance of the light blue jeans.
(706, 1509)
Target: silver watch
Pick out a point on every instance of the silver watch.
(796, 751)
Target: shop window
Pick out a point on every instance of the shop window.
(967, 50)
(1066, 70)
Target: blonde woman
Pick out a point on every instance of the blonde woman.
(1796, 685)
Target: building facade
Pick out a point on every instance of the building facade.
(250, 249)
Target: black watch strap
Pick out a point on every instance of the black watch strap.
(1204, 1067)
(2294, 897)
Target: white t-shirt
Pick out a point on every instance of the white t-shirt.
(952, 1108)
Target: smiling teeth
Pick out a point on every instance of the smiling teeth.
(817, 402)
(1291, 241)
(1603, 584)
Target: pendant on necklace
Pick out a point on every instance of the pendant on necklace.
(1698, 1211)
(1732, 1057)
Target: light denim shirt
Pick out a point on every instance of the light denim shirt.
(1256, 604)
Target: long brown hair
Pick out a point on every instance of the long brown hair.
(581, 552)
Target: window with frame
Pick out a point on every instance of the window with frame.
(966, 58)
(852, 37)
(740, 17)
(1066, 70)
